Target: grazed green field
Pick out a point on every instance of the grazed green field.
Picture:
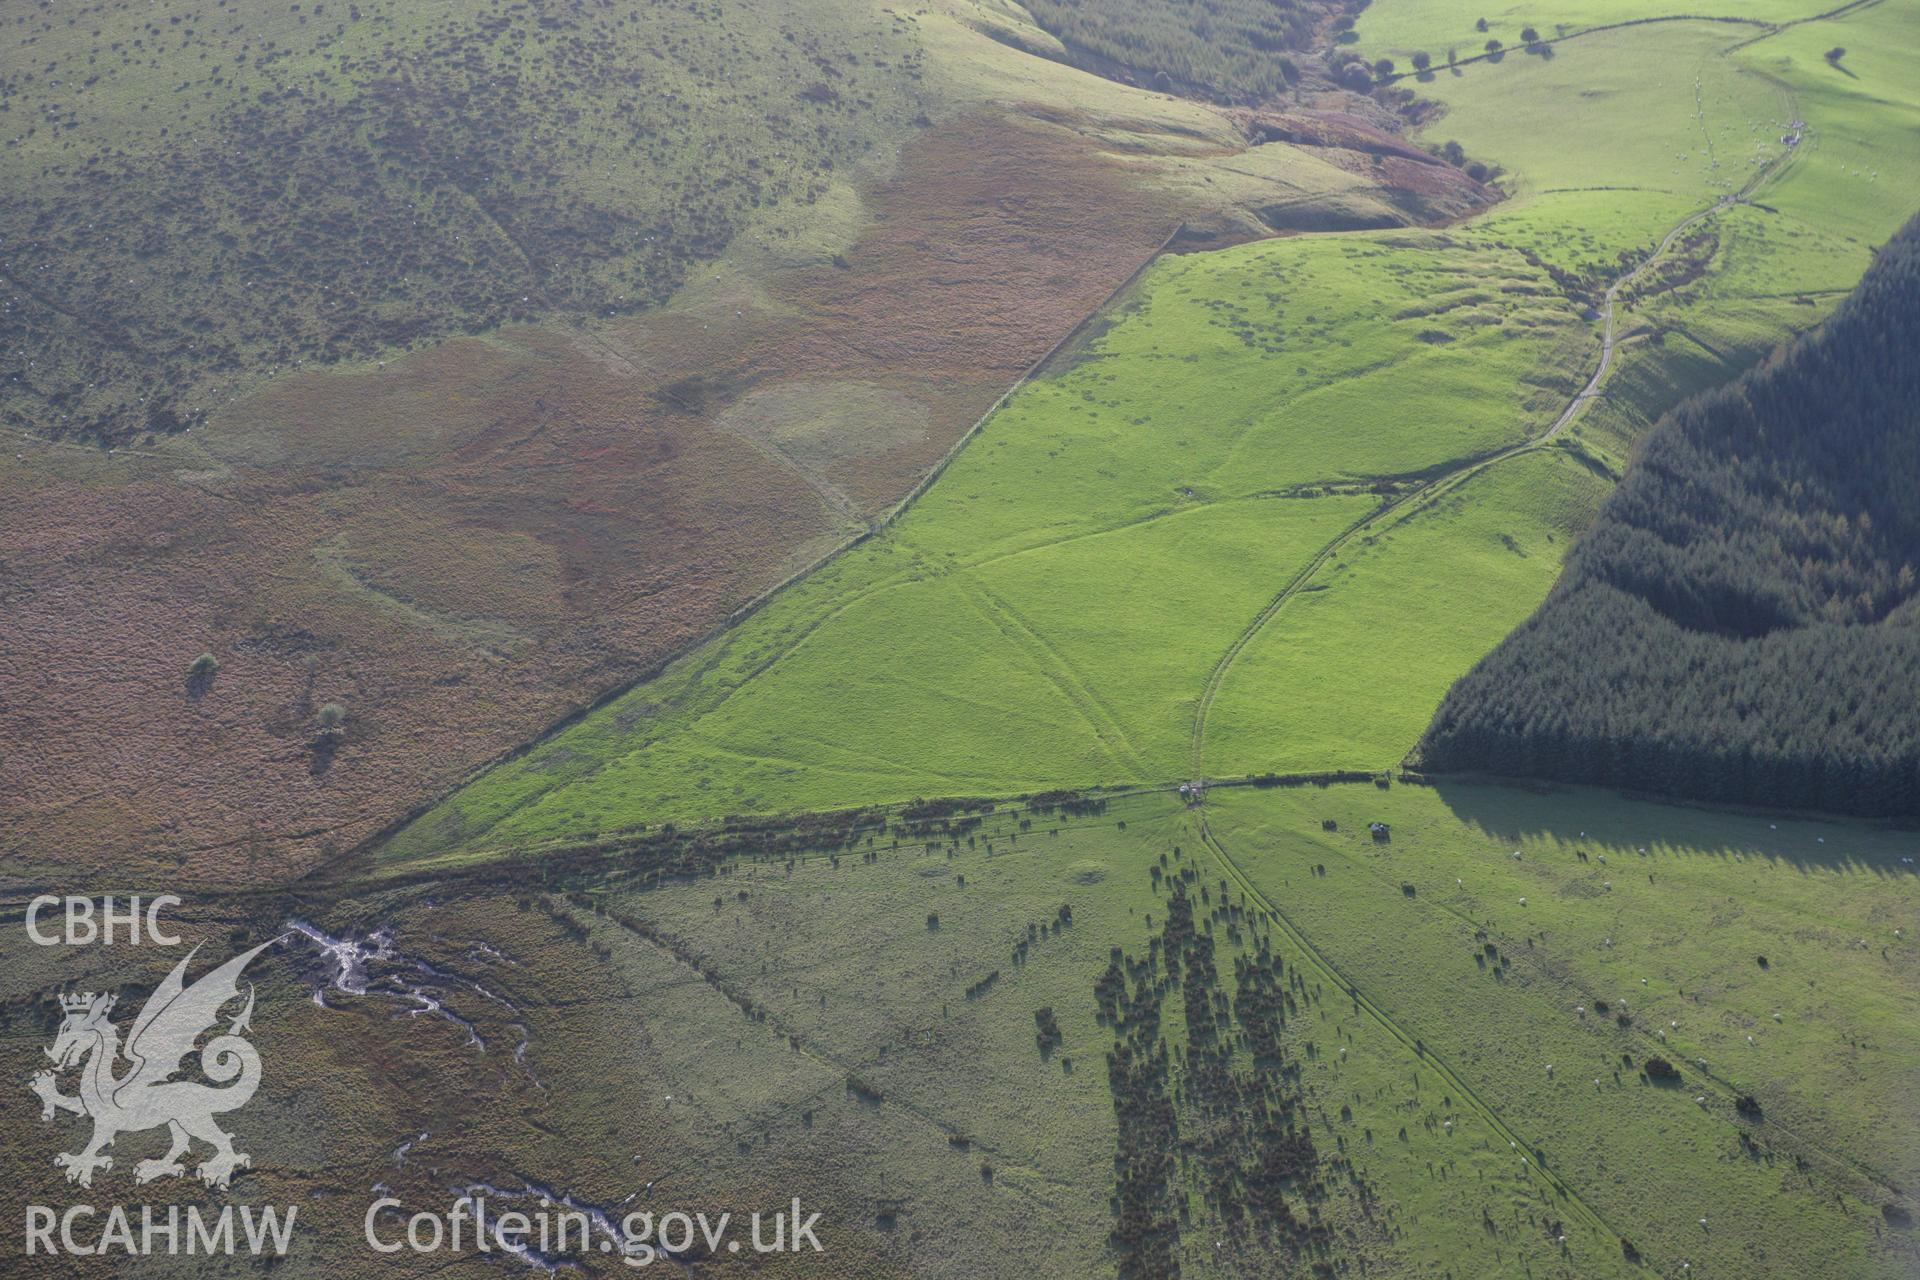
(1656, 120)
(1399, 27)
(858, 1025)
(840, 955)
(1657, 124)
(1047, 614)
(1345, 675)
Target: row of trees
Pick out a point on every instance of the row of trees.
(1742, 623)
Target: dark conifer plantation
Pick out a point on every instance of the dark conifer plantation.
(1742, 622)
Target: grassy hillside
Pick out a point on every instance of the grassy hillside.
(453, 464)
(1047, 613)
(1232, 51)
(1060, 678)
(198, 197)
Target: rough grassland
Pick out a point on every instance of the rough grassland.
(800, 1026)
(1047, 613)
(1722, 923)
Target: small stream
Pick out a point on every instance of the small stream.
(373, 966)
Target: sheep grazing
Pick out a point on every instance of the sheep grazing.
(1674, 1024)
(1516, 855)
(1523, 902)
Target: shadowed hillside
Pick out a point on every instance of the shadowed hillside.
(1741, 623)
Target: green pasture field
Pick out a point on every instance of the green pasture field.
(1046, 615)
(1798, 934)
(1397, 28)
(1611, 141)
(1658, 120)
(1048, 612)
(1350, 670)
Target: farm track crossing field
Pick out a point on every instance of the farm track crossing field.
(1039, 617)
(1327, 372)
(1256, 523)
(393, 356)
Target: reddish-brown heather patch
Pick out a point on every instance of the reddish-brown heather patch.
(468, 544)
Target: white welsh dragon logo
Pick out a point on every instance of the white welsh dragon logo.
(144, 1096)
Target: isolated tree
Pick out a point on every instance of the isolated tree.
(1480, 25)
(1383, 68)
(1529, 35)
(1453, 153)
(331, 717)
(1422, 60)
(1836, 53)
(203, 667)
(1494, 46)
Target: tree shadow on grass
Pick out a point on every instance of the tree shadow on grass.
(1610, 821)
